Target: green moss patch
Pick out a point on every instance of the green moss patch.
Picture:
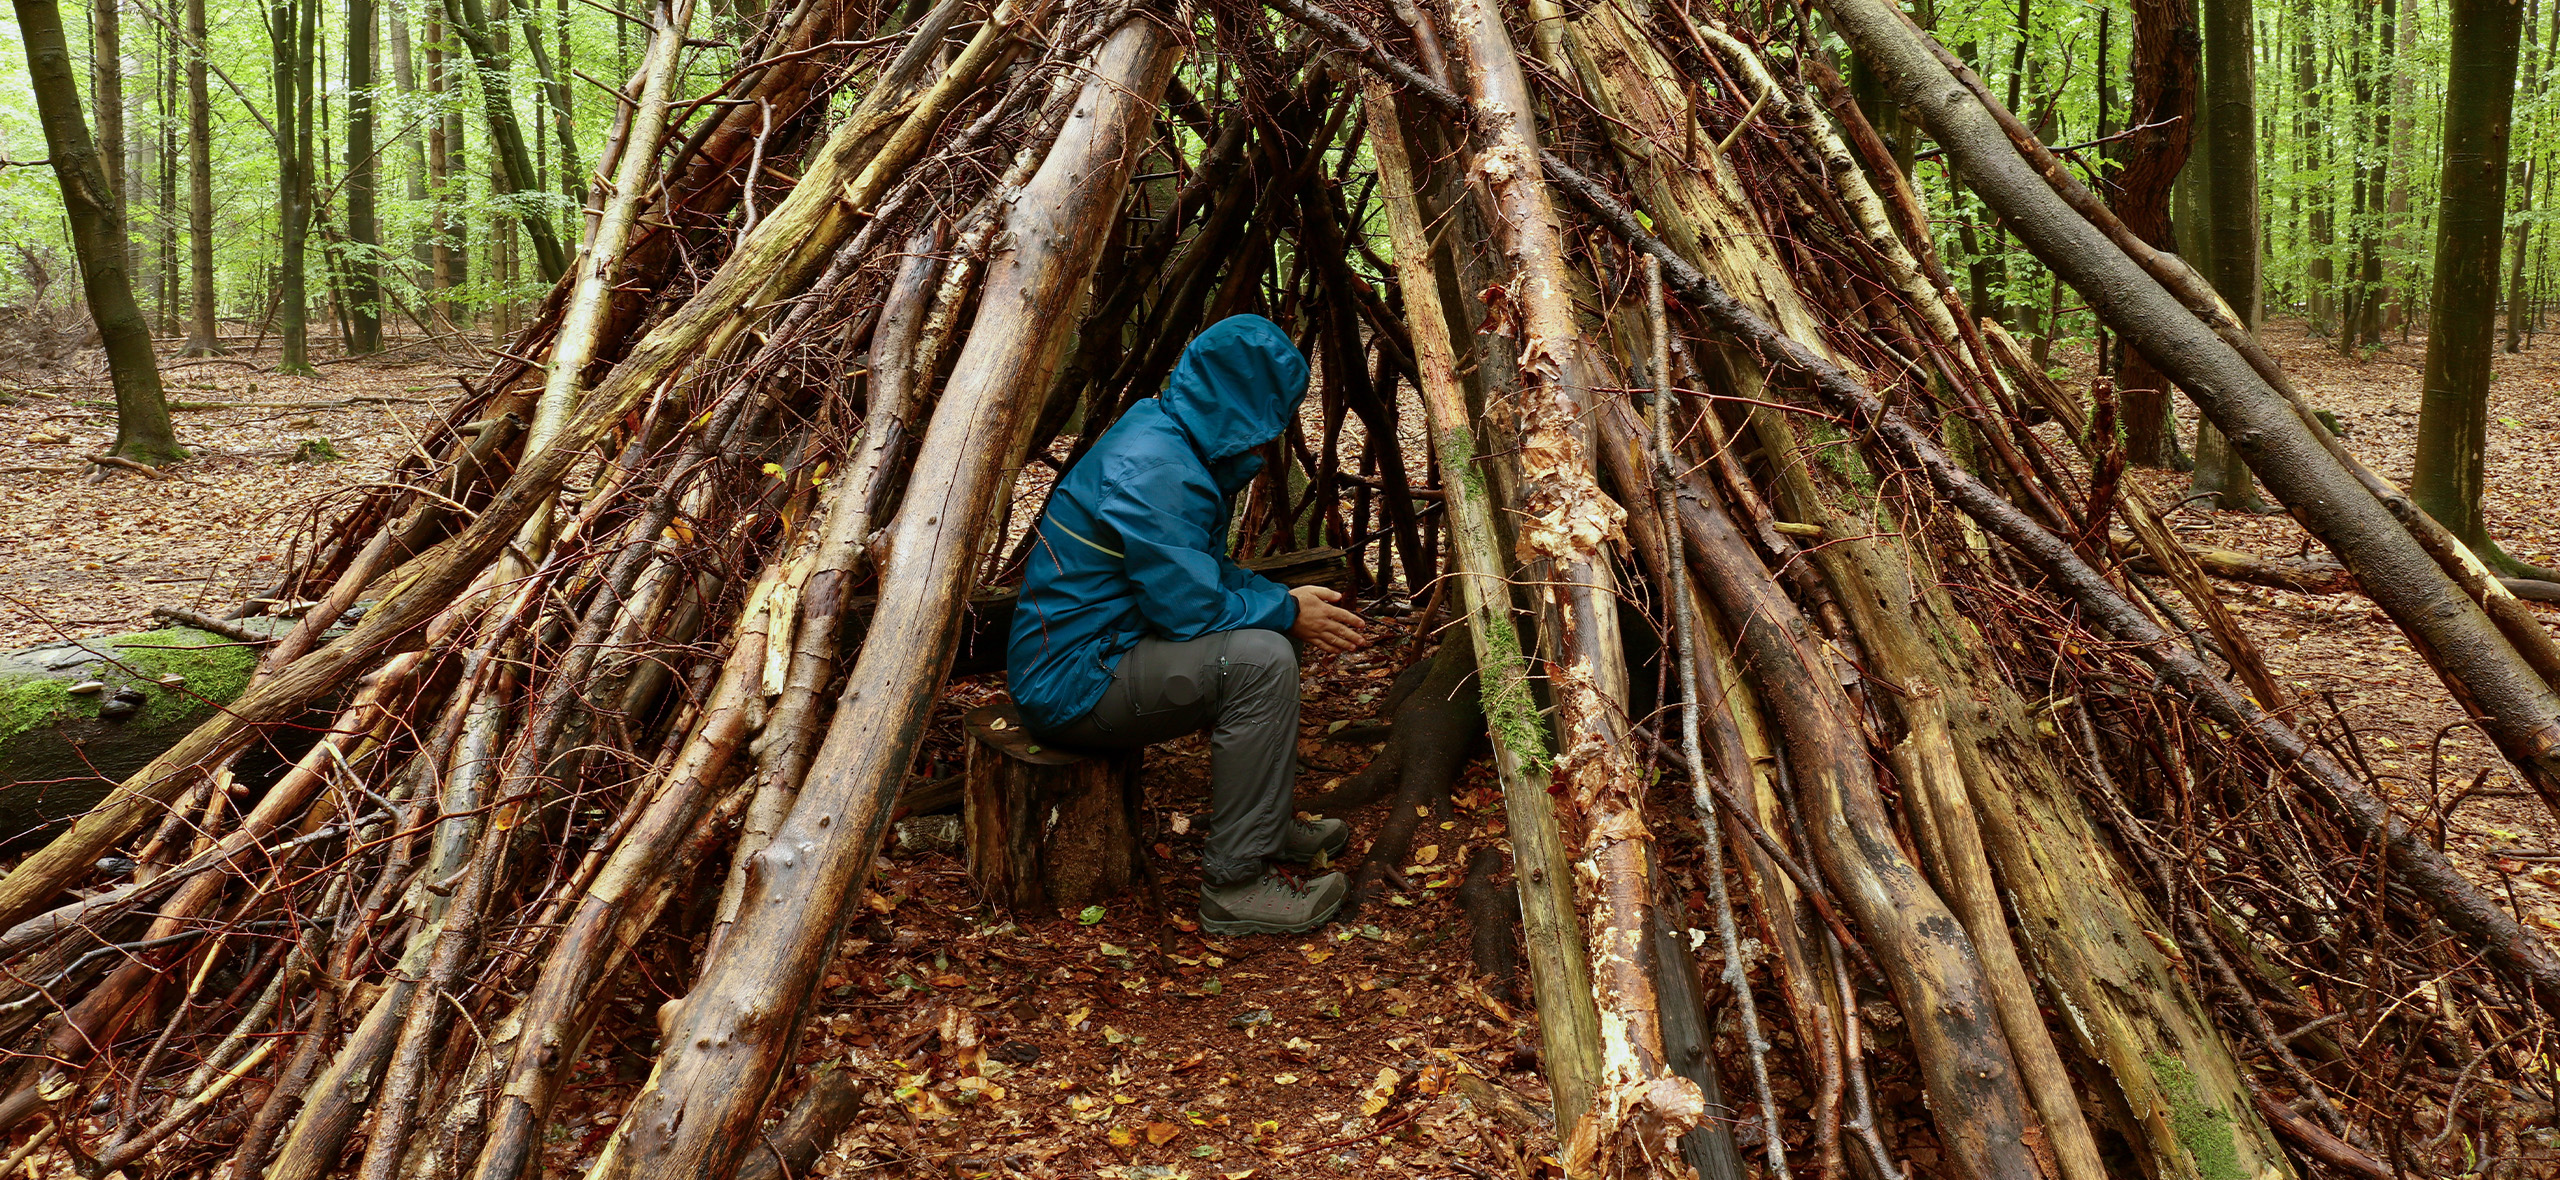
(30, 701)
(215, 669)
(2203, 1128)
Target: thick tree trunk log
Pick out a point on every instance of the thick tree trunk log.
(1641, 1108)
(736, 1029)
(2519, 711)
(1559, 974)
(61, 751)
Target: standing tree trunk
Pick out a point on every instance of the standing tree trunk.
(2311, 135)
(363, 283)
(2165, 53)
(514, 165)
(2453, 411)
(204, 336)
(289, 27)
(413, 148)
(2522, 169)
(2372, 182)
(449, 256)
(2231, 216)
(106, 91)
(143, 432)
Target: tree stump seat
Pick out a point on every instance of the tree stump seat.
(1047, 827)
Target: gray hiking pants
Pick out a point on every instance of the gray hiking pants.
(1241, 686)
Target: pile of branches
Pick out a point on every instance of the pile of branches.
(612, 724)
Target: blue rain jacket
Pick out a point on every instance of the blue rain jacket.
(1134, 541)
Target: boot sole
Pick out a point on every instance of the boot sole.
(1247, 926)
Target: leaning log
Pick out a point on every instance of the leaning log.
(734, 1033)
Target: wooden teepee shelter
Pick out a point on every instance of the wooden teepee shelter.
(1681, 349)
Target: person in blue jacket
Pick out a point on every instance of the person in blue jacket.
(1134, 626)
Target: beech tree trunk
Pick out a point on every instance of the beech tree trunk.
(204, 335)
(143, 430)
(2230, 217)
(362, 273)
(2453, 409)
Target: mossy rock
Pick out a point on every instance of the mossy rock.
(58, 756)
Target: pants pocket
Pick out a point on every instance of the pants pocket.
(1166, 677)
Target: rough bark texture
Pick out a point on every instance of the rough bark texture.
(1048, 829)
(1559, 972)
(1641, 1108)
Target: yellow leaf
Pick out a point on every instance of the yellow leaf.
(1160, 1134)
(1124, 1137)
(1077, 1017)
(1381, 1091)
(1427, 854)
(773, 469)
(1284, 1079)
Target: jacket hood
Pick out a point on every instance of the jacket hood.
(1236, 386)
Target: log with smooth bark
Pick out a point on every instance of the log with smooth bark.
(733, 1034)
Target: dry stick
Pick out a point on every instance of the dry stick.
(698, 1112)
(1736, 973)
(1559, 976)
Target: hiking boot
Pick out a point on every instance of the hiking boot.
(1272, 905)
(1305, 840)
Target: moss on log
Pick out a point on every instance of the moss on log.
(59, 755)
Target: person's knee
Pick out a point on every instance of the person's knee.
(1268, 653)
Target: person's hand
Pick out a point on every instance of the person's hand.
(1322, 623)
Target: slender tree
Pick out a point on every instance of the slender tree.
(2230, 214)
(2453, 410)
(289, 24)
(204, 336)
(106, 89)
(514, 164)
(2522, 169)
(2166, 50)
(363, 278)
(449, 255)
(143, 430)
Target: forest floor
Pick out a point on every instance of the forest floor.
(1126, 1043)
